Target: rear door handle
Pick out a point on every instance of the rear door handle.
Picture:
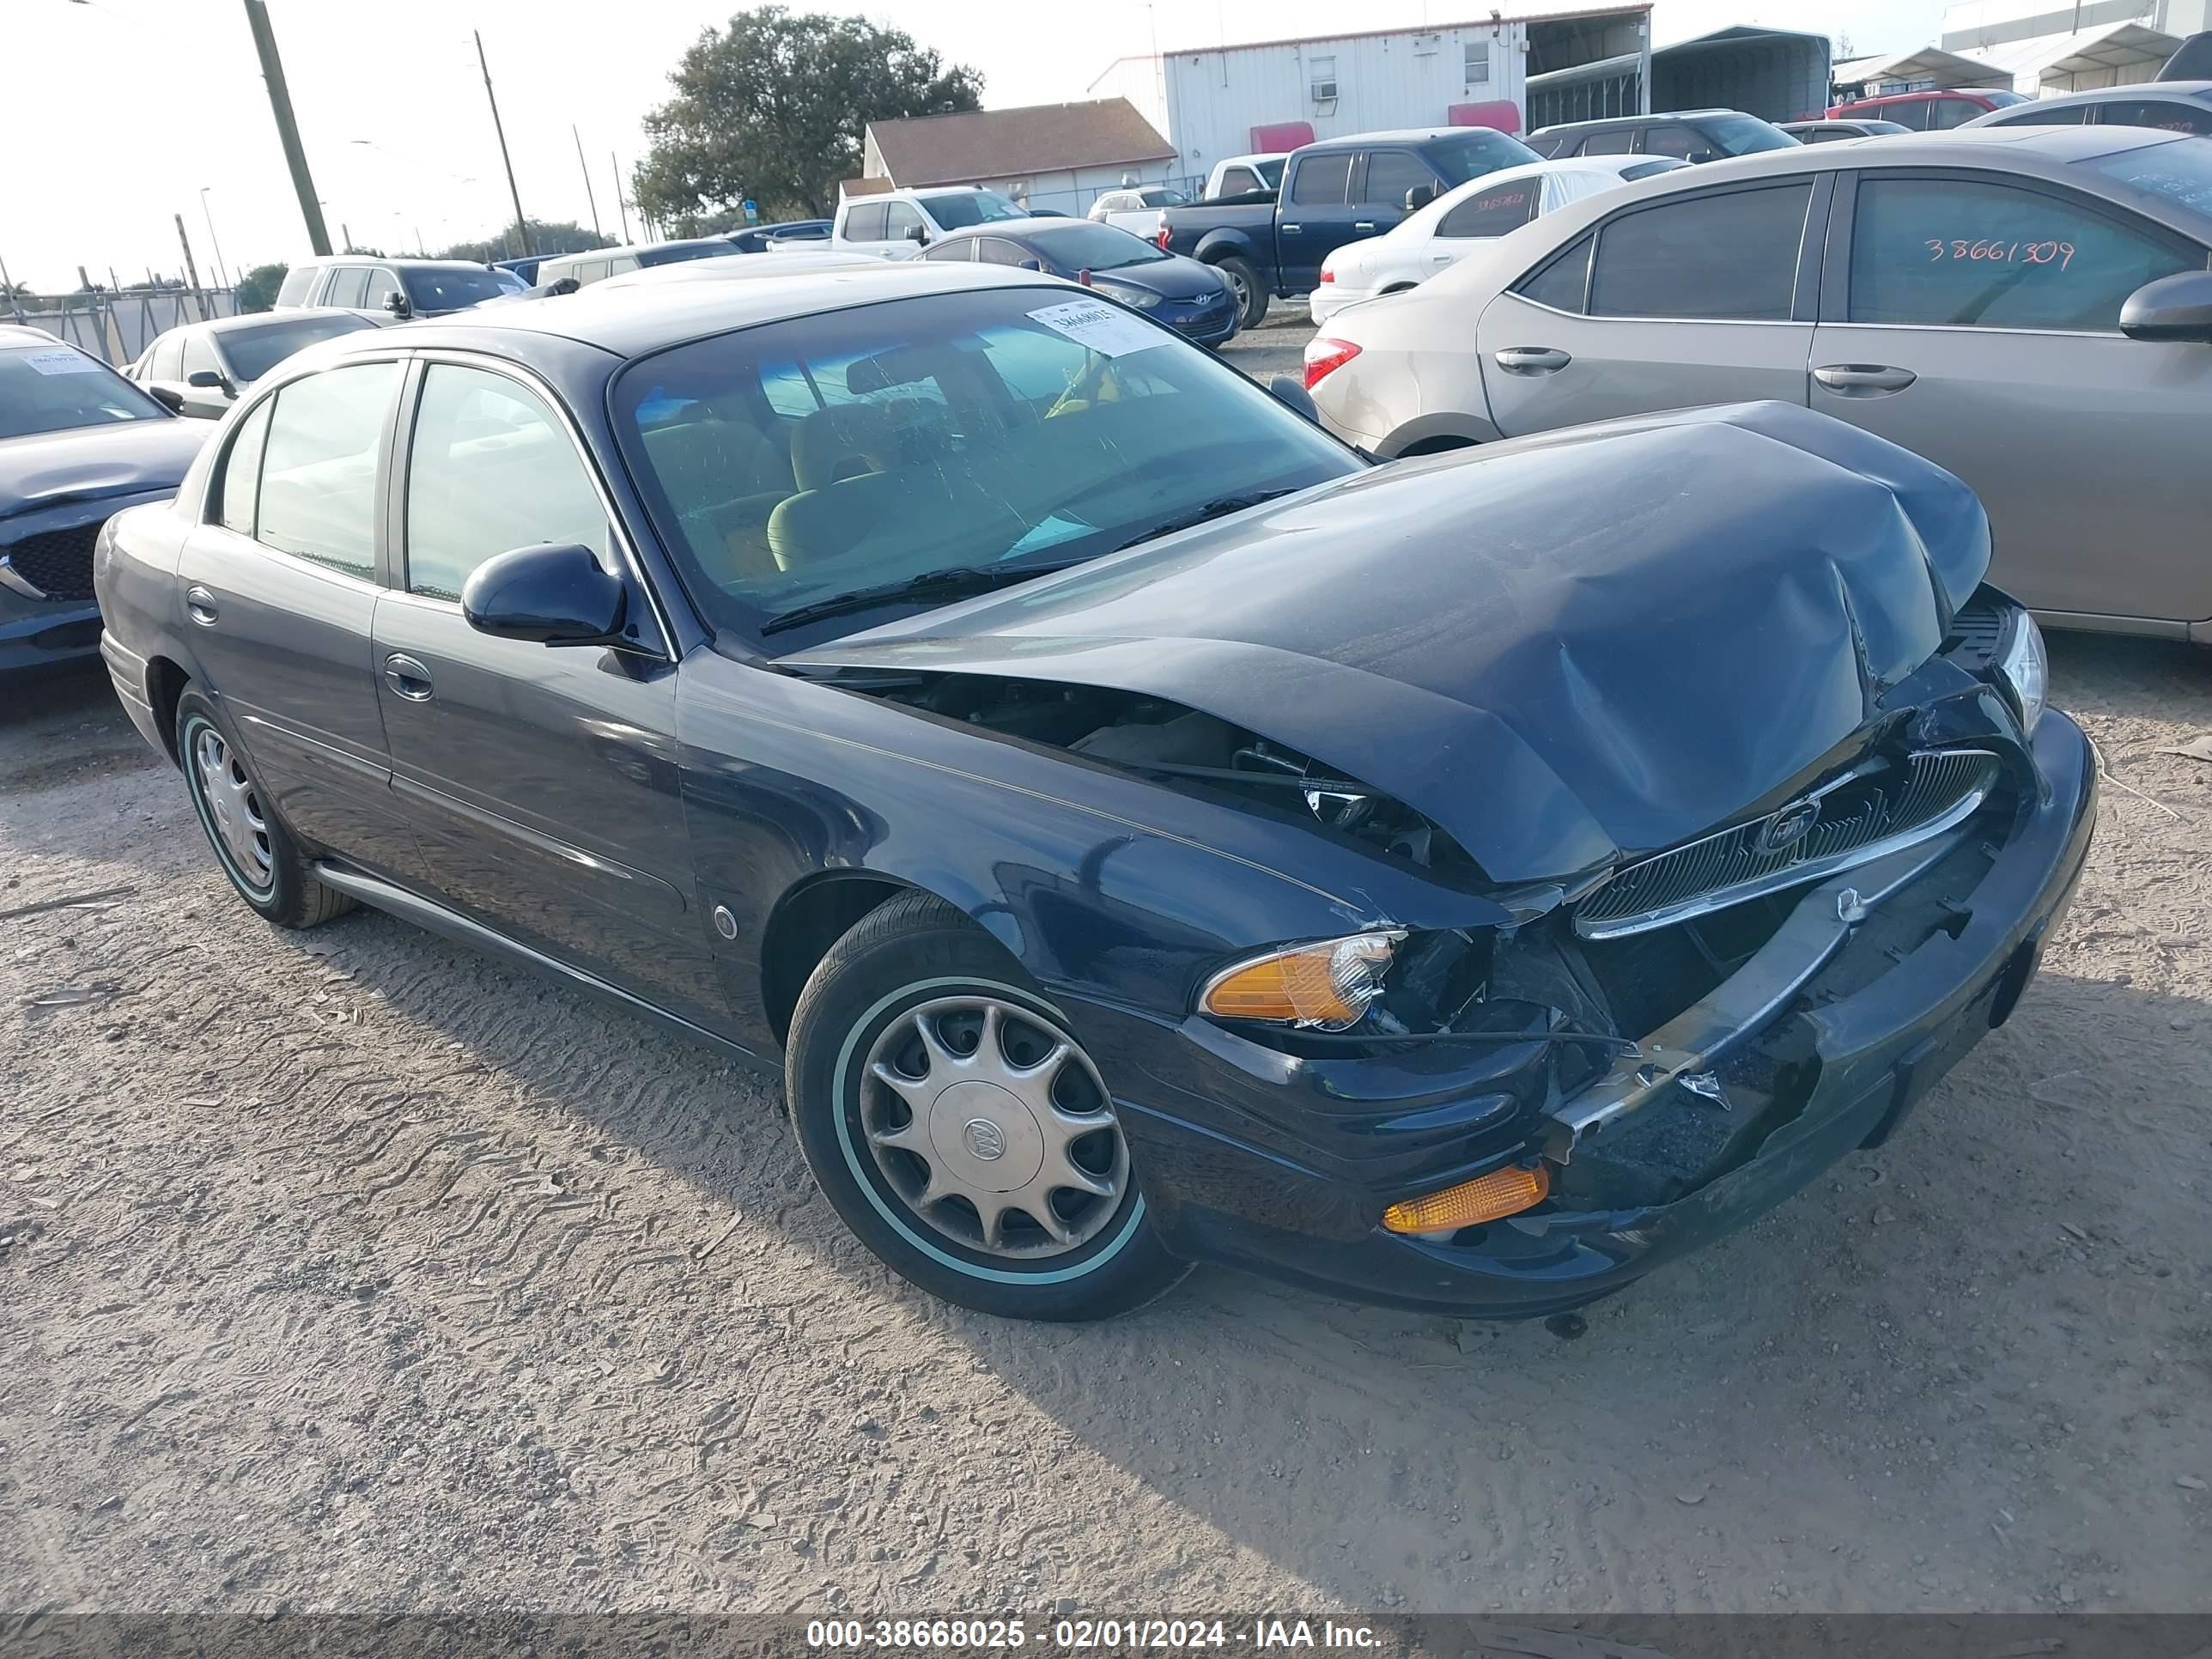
(1863, 379)
(408, 677)
(1362, 224)
(1288, 230)
(1533, 359)
(200, 605)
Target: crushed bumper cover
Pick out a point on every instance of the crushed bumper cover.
(1253, 1158)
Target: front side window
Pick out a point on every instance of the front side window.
(167, 360)
(451, 289)
(1730, 256)
(238, 487)
(1322, 180)
(1619, 141)
(1009, 426)
(54, 388)
(490, 469)
(1494, 211)
(1391, 174)
(1237, 181)
(293, 291)
(1967, 253)
(198, 357)
(1678, 141)
(382, 286)
(319, 471)
(348, 284)
(901, 222)
(1950, 113)
(2167, 114)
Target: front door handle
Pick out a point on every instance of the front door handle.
(1287, 230)
(407, 678)
(1364, 224)
(199, 605)
(1863, 379)
(1533, 359)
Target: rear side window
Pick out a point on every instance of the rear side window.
(1494, 211)
(490, 469)
(1391, 174)
(1964, 254)
(240, 483)
(1730, 256)
(1560, 284)
(1322, 180)
(2163, 114)
(293, 292)
(319, 473)
(863, 223)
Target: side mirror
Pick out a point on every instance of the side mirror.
(167, 396)
(918, 235)
(397, 306)
(1290, 391)
(1419, 196)
(555, 593)
(2176, 307)
(1032, 264)
(203, 379)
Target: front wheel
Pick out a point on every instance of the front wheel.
(959, 1128)
(1245, 287)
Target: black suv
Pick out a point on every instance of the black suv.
(1689, 134)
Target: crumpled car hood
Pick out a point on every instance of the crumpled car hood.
(1595, 642)
(86, 463)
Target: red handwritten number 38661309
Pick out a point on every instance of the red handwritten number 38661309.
(1998, 252)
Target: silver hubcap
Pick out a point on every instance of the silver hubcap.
(232, 805)
(994, 1126)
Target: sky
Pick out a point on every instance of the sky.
(121, 114)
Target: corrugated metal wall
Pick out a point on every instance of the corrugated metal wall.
(1407, 78)
(1777, 76)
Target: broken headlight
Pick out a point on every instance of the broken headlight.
(2024, 666)
(1326, 986)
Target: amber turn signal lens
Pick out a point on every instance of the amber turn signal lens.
(1501, 1191)
(1328, 985)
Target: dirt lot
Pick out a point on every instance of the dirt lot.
(349, 1270)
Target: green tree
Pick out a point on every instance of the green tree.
(257, 289)
(773, 107)
(547, 237)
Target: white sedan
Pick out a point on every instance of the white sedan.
(1438, 236)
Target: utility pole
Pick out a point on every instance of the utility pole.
(521, 225)
(287, 130)
(221, 280)
(346, 231)
(191, 270)
(587, 172)
(7, 288)
(614, 161)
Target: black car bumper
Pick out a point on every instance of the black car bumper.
(1214, 326)
(1253, 1158)
(48, 616)
(37, 634)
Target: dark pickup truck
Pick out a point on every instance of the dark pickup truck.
(1334, 192)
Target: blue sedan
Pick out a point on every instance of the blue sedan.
(1189, 296)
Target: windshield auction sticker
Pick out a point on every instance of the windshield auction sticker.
(61, 360)
(1106, 329)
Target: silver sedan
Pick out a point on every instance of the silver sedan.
(2031, 308)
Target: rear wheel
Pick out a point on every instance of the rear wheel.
(1245, 286)
(264, 863)
(959, 1128)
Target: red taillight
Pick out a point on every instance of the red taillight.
(1084, 277)
(1325, 357)
(1327, 275)
(1161, 237)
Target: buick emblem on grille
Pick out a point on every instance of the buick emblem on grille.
(1788, 827)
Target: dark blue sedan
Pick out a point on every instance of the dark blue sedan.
(1136, 828)
(1191, 298)
(78, 442)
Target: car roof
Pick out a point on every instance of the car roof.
(2129, 94)
(1026, 227)
(22, 334)
(2046, 150)
(1632, 120)
(250, 320)
(389, 259)
(631, 247)
(629, 321)
(1386, 136)
(787, 262)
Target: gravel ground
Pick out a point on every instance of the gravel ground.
(350, 1270)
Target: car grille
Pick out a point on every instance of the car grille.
(1976, 633)
(1870, 810)
(58, 562)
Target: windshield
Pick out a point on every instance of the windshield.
(1080, 245)
(1472, 154)
(682, 252)
(1999, 99)
(793, 462)
(53, 388)
(450, 290)
(2179, 172)
(1164, 197)
(969, 207)
(254, 351)
(1744, 135)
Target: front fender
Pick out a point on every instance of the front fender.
(1104, 887)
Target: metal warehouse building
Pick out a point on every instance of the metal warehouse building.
(1502, 72)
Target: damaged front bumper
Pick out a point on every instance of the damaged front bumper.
(1827, 1036)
